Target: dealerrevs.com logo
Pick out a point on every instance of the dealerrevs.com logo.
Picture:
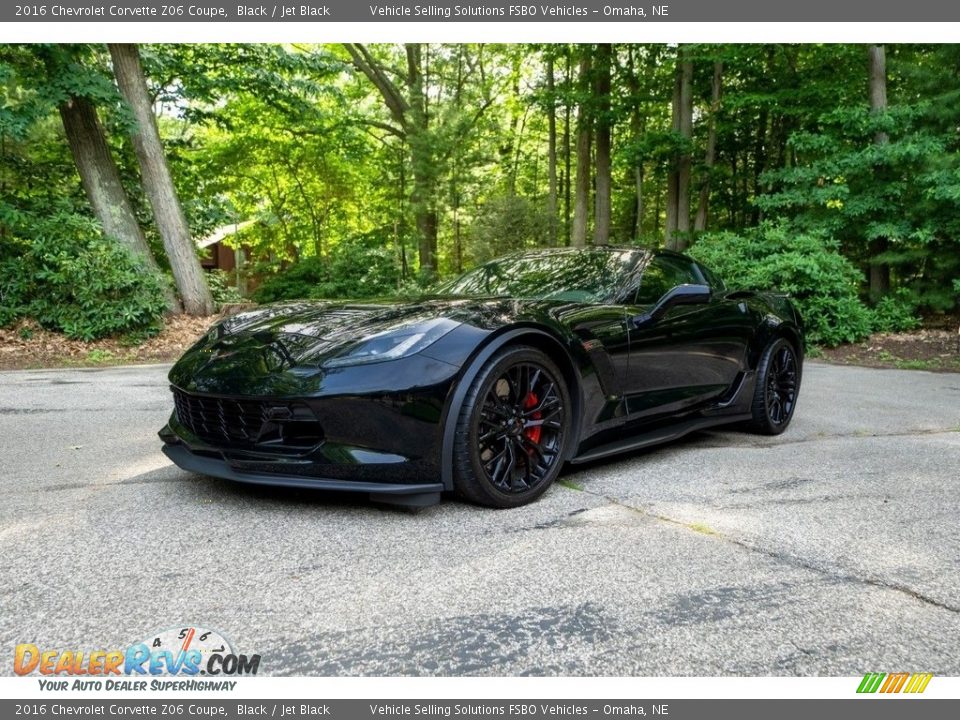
(186, 651)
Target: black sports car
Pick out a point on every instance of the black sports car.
(488, 386)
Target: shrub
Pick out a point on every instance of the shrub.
(220, 288)
(14, 290)
(70, 278)
(896, 312)
(822, 283)
(358, 268)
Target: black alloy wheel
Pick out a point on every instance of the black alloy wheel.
(778, 383)
(512, 429)
(782, 385)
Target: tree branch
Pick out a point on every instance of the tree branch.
(365, 63)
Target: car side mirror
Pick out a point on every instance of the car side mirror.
(679, 295)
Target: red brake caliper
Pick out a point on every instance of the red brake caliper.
(532, 433)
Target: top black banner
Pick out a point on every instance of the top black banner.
(403, 11)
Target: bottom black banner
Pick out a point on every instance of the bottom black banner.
(874, 708)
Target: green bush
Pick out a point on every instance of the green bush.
(69, 278)
(358, 268)
(895, 313)
(822, 283)
(14, 292)
(220, 288)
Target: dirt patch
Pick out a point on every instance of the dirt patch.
(26, 346)
(932, 349)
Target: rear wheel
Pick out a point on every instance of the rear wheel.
(512, 429)
(775, 394)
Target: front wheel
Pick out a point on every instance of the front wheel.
(775, 394)
(512, 429)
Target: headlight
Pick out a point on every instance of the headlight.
(393, 344)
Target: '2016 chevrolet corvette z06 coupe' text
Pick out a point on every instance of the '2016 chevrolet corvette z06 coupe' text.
(489, 385)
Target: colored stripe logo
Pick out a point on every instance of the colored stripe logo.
(894, 682)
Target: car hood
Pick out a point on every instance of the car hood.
(300, 336)
(280, 347)
(325, 322)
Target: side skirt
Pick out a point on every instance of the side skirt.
(656, 436)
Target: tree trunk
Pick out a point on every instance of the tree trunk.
(638, 205)
(601, 230)
(878, 86)
(656, 203)
(700, 223)
(425, 217)
(158, 185)
(101, 182)
(759, 162)
(637, 128)
(879, 272)
(567, 165)
(581, 205)
(686, 161)
(551, 151)
(422, 159)
(455, 176)
(673, 172)
(401, 213)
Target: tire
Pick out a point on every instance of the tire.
(777, 388)
(512, 430)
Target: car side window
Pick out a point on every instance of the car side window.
(715, 283)
(663, 273)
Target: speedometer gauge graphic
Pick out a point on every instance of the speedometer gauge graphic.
(181, 640)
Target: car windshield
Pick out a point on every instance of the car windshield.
(571, 275)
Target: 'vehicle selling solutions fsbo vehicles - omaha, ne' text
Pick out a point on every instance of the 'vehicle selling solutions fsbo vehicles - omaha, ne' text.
(490, 384)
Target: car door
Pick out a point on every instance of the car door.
(694, 354)
(601, 332)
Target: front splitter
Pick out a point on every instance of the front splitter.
(419, 495)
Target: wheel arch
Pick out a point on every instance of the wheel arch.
(535, 337)
(792, 335)
(770, 333)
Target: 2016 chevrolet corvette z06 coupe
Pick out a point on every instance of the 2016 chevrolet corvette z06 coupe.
(488, 386)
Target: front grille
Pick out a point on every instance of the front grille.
(236, 423)
(221, 421)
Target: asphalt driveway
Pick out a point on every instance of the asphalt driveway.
(831, 550)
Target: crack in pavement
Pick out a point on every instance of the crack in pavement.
(834, 572)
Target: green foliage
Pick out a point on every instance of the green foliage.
(822, 283)
(894, 202)
(357, 268)
(68, 277)
(296, 144)
(896, 312)
(223, 292)
(100, 357)
(506, 223)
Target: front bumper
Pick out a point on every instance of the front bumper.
(335, 466)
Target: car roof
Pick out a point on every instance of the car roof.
(596, 249)
(593, 249)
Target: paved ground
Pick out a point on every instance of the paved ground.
(831, 550)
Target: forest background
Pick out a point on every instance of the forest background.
(348, 171)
